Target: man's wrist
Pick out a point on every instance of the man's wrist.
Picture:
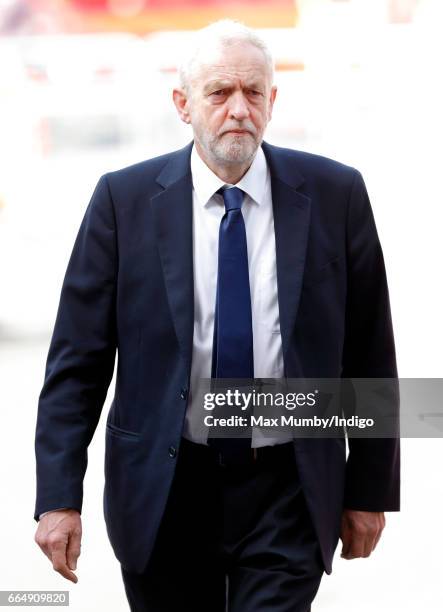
(48, 511)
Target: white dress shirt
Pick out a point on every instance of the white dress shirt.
(208, 210)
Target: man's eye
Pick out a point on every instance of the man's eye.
(254, 92)
(219, 92)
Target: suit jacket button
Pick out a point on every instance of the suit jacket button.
(172, 451)
(184, 393)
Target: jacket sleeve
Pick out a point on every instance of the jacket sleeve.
(80, 361)
(373, 465)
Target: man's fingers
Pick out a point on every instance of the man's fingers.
(369, 544)
(73, 549)
(59, 561)
(370, 536)
(345, 549)
(361, 532)
(357, 545)
(353, 540)
(380, 531)
(44, 547)
(346, 540)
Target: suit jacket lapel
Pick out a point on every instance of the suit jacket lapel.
(291, 224)
(172, 213)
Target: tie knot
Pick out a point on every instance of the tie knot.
(233, 198)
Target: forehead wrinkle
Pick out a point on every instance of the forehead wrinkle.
(246, 78)
(233, 69)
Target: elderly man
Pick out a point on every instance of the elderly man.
(229, 258)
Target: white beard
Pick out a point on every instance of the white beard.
(232, 148)
(229, 148)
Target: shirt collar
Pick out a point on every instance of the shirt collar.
(206, 183)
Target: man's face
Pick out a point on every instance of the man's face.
(230, 103)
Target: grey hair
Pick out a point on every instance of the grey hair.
(220, 33)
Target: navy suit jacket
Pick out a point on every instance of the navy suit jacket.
(129, 287)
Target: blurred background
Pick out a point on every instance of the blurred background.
(85, 88)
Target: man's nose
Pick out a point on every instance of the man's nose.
(238, 106)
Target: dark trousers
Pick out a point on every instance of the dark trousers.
(237, 539)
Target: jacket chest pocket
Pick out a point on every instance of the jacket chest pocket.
(315, 275)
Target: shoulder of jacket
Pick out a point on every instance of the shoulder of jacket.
(310, 164)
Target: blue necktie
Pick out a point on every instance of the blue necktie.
(232, 355)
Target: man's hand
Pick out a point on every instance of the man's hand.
(360, 532)
(59, 536)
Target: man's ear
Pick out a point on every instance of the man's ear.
(272, 96)
(181, 102)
